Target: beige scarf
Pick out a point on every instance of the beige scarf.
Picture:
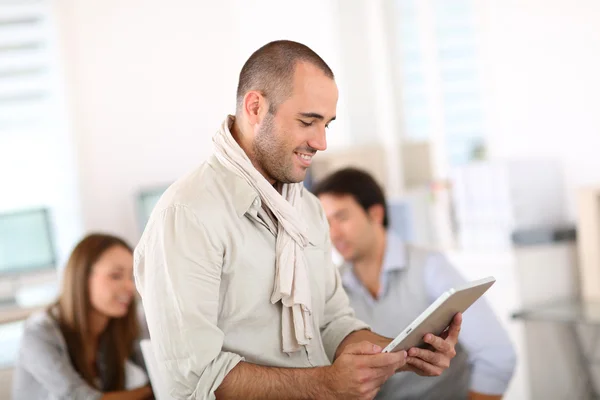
(292, 285)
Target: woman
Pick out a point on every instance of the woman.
(82, 347)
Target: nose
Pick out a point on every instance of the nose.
(319, 140)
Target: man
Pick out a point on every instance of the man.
(390, 283)
(234, 270)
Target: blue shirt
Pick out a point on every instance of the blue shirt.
(490, 352)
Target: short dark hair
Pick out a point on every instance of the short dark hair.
(270, 70)
(356, 183)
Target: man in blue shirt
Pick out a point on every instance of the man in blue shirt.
(389, 283)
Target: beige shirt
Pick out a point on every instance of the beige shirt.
(205, 269)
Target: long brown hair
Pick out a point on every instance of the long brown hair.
(74, 308)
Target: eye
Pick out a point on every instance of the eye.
(342, 218)
(305, 124)
(116, 276)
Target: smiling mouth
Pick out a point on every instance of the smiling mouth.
(305, 158)
(124, 300)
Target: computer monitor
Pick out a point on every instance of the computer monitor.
(146, 201)
(26, 242)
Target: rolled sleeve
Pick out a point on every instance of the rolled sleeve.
(337, 330)
(178, 274)
(185, 378)
(339, 320)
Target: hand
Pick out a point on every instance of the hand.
(360, 370)
(432, 363)
(141, 393)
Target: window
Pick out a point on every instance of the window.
(36, 146)
(32, 137)
(439, 76)
(28, 95)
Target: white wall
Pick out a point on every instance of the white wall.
(543, 85)
(150, 83)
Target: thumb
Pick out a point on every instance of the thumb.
(454, 329)
(363, 347)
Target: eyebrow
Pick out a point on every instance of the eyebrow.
(315, 115)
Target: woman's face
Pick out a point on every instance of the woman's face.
(111, 282)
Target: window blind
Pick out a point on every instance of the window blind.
(26, 71)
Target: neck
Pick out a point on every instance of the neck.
(240, 136)
(368, 268)
(239, 131)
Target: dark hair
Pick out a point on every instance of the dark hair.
(270, 70)
(74, 308)
(356, 183)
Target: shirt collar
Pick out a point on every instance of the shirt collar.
(394, 259)
(244, 197)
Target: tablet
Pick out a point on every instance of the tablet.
(437, 317)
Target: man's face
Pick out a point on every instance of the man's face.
(352, 229)
(285, 143)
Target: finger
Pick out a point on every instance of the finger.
(410, 368)
(424, 367)
(383, 360)
(374, 378)
(439, 344)
(363, 347)
(383, 374)
(434, 358)
(454, 329)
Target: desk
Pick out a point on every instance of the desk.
(572, 313)
(12, 319)
(15, 313)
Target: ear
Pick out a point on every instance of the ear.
(255, 107)
(376, 213)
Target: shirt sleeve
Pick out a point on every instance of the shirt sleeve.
(339, 320)
(178, 275)
(491, 353)
(42, 356)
